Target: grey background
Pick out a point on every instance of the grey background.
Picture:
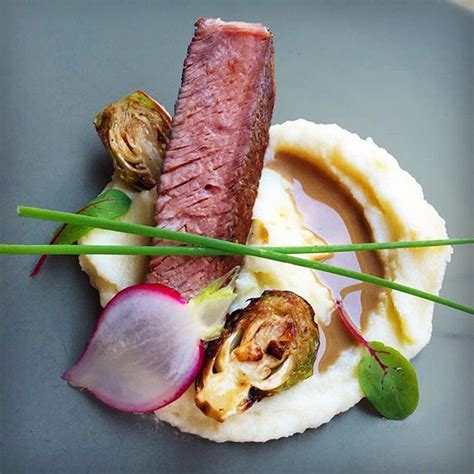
(401, 72)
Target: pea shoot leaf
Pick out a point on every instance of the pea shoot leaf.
(111, 204)
(389, 381)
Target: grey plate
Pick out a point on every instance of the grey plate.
(399, 72)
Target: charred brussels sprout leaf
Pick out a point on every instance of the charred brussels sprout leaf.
(136, 131)
(266, 348)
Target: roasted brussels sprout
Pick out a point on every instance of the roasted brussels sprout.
(136, 131)
(265, 348)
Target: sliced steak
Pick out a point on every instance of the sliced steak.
(215, 157)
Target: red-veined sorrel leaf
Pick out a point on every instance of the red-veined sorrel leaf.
(111, 204)
(390, 386)
(386, 377)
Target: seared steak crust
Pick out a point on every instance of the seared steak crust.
(215, 157)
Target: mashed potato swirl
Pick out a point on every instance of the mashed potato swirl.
(395, 209)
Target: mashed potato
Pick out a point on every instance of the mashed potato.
(395, 209)
(112, 273)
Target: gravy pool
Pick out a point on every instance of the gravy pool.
(333, 215)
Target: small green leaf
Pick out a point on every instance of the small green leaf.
(209, 307)
(111, 204)
(389, 381)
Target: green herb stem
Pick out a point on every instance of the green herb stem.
(148, 250)
(230, 247)
(163, 250)
(406, 244)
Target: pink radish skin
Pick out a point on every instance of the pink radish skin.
(144, 353)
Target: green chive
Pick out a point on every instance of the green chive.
(162, 250)
(231, 248)
(151, 251)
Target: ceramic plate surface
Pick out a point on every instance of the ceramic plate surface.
(400, 72)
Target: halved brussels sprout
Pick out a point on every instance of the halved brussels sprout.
(266, 348)
(136, 131)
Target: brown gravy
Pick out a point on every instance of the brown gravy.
(335, 216)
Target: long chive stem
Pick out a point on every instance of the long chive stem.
(148, 250)
(337, 248)
(229, 247)
(163, 250)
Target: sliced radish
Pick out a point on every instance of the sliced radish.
(144, 353)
